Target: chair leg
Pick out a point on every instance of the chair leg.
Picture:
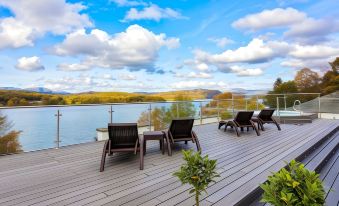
(242, 129)
(256, 129)
(169, 149)
(237, 131)
(185, 142)
(162, 146)
(103, 157)
(142, 149)
(277, 124)
(221, 124)
(198, 144)
(248, 129)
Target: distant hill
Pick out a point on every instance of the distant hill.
(248, 91)
(192, 94)
(41, 90)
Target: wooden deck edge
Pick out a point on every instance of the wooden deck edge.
(256, 192)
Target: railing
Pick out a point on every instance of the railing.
(59, 125)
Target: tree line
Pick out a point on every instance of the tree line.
(305, 81)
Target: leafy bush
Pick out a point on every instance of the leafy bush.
(294, 186)
(198, 171)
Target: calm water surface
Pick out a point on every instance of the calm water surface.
(77, 124)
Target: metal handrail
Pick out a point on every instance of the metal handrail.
(294, 104)
(157, 102)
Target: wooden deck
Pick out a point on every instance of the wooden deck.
(70, 175)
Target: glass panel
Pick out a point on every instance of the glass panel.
(210, 112)
(37, 126)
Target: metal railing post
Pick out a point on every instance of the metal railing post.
(246, 104)
(200, 112)
(278, 107)
(232, 106)
(218, 110)
(57, 141)
(257, 102)
(177, 109)
(150, 117)
(111, 113)
(285, 101)
(319, 106)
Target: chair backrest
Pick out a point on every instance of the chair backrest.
(180, 128)
(123, 133)
(266, 114)
(244, 117)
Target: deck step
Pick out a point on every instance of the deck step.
(323, 154)
(314, 157)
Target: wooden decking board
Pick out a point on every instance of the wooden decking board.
(321, 156)
(219, 165)
(228, 198)
(218, 189)
(78, 182)
(331, 182)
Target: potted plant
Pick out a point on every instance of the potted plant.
(295, 186)
(197, 171)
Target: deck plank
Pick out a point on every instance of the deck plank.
(70, 176)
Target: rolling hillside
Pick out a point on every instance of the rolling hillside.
(27, 98)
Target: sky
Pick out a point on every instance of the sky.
(152, 46)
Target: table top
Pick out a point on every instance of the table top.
(153, 133)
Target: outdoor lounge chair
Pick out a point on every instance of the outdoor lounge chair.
(241, 120)
(181, 130)
(265, 117)
(123, 137)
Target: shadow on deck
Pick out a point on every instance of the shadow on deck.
(70, 175)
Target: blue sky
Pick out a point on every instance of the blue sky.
(138, 45)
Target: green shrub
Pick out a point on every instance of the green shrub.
(197, 171)
(294, 186)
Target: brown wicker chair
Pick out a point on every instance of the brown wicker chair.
(265, 117)
(181, 130)
(241, 120)
(123, 137)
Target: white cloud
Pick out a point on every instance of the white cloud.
(198, 84)
(256, 51)
(73, 67)
(314, 52)
(270, 18)
(33, 19)
(128, 3)
(300, 27)
(221, 42)
(136, 48)
(241, 71)
(128, 77)
(90, 83)
(29, 64)
(315, 64)
(200, 75)
(153, 12)
(312, 30)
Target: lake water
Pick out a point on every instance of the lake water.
(77, 124)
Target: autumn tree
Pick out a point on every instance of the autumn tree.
(307, 80)
(162, 117)
(284, 88)
(9, 140)
(330, 80)
(277, 83)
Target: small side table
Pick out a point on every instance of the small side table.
(155, 135)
